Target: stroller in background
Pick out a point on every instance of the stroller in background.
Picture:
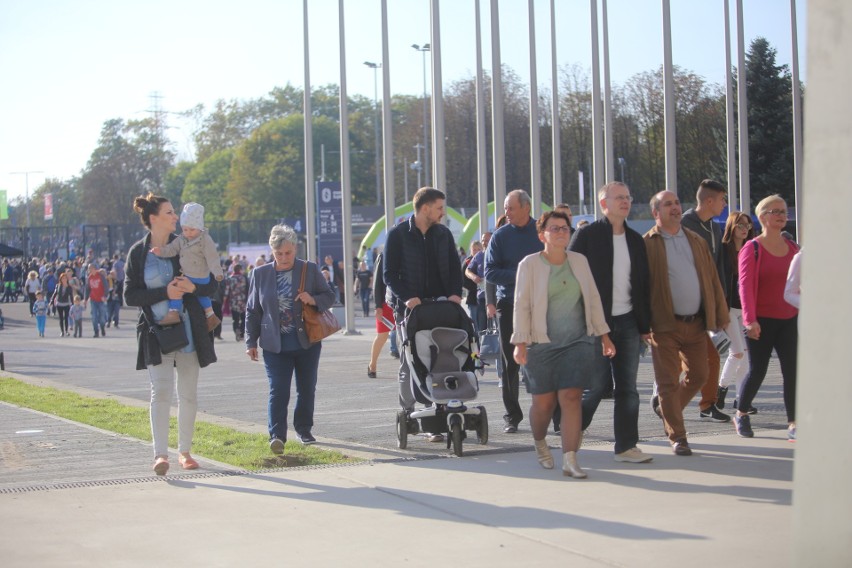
(437, 342)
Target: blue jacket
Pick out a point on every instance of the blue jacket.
(263, 327)
(509, 245)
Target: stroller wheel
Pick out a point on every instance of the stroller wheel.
(402, 429)
(456, 436)
(482, 426)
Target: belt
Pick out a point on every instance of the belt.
(688, 319)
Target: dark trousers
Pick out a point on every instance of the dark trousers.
(505, 312)
(621, 369)
(783, 336)
(239, 321)
(280, 368)
(63, 318)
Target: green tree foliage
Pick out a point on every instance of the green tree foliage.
(175, 182)
(267, 173)
(207, 183)
(132, 157)
(770, 123)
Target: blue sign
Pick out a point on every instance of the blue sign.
(329, 220)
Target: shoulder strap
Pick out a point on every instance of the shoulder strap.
(756, 248)
(302, 282)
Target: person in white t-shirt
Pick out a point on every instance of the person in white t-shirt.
(619, 263)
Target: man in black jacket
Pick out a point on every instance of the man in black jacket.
(711, 198)
(619, 263)
(421, 262)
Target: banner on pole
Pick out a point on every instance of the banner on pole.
(4, 210)
(48, 207)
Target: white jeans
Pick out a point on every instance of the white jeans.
(162, 391)
(735, 369)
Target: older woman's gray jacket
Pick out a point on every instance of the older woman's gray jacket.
(263, 327)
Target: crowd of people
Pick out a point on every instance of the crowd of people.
(575, 308)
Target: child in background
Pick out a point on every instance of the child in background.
(198, 259)
(40, 311)
(75, 316)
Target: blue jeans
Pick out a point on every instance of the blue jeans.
(99, 315)
(279, 370)
(621, 369)
(365, 293)
(394, 348)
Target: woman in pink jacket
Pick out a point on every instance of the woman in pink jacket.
(770, 322)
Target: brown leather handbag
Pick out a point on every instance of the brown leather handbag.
(318, 325)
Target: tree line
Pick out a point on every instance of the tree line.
(249, 153)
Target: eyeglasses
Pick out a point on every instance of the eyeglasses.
(777, 212)
(558, 229)
(627, 198)
(743, 226)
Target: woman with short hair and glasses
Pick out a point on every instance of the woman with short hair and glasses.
(770, 322)
(557, 315)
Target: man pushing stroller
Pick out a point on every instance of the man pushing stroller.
(421, 262)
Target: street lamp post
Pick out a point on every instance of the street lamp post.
(621, 162)
(375, 67)
(423, 49)
(27, 188)
(418, 165)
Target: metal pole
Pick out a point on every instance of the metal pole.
(609, 151)
(375, 67)
(346, 182)
(556, 130)
(797, 119)
(598, 173)
(498, 143)
(310, 188)
(535, 137)
(439, 162)
(424, 164)
(729, 116)
(387, 126)
(481, 149)
(742, 114)
(668, 90)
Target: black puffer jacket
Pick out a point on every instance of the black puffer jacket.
(406, 265)
(137, 294)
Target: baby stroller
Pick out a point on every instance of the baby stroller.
(437, 342)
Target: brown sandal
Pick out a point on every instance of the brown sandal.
(161, 465)
(186, 461)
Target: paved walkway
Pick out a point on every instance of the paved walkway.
(72, 495)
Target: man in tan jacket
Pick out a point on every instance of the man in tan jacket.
(687, 300)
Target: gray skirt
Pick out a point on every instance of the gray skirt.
(551, 367)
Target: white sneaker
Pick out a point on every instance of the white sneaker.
(633, 455)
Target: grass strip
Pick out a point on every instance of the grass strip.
(226, 445)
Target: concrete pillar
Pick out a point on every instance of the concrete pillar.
(822, 492)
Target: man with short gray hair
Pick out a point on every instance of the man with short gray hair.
(509, 245)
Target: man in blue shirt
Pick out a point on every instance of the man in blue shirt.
(509, 245)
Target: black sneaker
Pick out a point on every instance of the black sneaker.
(713, 414)
(720, 397)
(510, 428)
(751, 409)
(276, 446)
(306, 439)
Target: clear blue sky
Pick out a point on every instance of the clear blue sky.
(67, 67)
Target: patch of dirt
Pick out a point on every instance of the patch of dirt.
(284, 461)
